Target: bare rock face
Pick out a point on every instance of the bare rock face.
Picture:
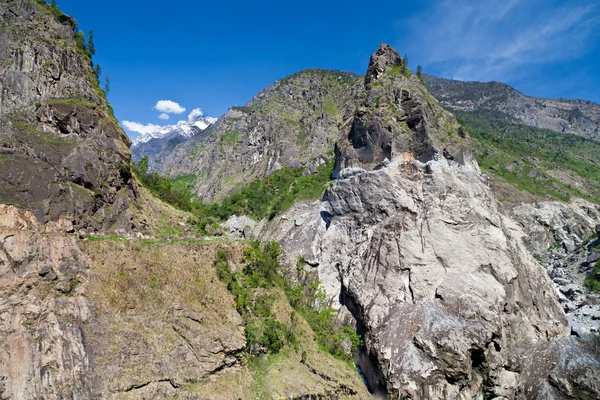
(44, 352)
(62, 153)
(449, 299)
(108, 320)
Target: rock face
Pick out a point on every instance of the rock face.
(128, 320)
(45, 352)
(448, 298)
(563, 237)
(62, 153)
(293, 123)
(395, 118)
(573, 116)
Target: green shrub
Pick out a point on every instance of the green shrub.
(592, 283)
(273, 335)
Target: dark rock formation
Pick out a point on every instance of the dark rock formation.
(62, 153)
(396, 118)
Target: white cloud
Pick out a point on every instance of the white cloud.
(495, 39)
(163, 116)
(169, 107)
(196, 112)
(140, 128)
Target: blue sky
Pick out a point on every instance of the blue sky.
(212, 55)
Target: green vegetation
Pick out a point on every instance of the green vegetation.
(178, 195)
(592, 281)
(91, 47)
(255, 292)
(310, 300)
(420, 74)
(245, 109)
(539, 161)
(332, 109)
(74, 101)
(254, 301)
(230, 138)
(262, 198)
(43, 137)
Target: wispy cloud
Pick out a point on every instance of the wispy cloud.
(163, 116)
(169, 107)
(469, 40)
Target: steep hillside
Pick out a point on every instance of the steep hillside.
(540, 163)
(294, 123)
(62, 153)
(579, 117)
(128, 319)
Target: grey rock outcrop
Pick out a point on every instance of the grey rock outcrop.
(44, 346)
(449, 299)
(562, 235)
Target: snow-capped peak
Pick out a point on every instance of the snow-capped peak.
(187, 129)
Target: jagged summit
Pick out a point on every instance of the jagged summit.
(385, 56)
(398, 117)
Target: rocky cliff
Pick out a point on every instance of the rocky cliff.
(449, 300)
(571, 116)
(62, 152)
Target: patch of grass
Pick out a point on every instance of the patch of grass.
(264, 333)
(44, 137)
(114, 238)
(230, 138)
(76, 101)
(331, 108)
(592, 282)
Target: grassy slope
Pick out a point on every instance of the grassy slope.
(542, 162)
(136, 283)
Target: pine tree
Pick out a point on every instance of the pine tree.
(404, 67)
(106, 85)
(53, 3)
(98, 71)
(420, 74)
(90, 44)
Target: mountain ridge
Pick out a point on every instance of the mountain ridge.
(579, 117)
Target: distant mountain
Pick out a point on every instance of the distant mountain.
(167, 137)
(568, 116)
(186, 129)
